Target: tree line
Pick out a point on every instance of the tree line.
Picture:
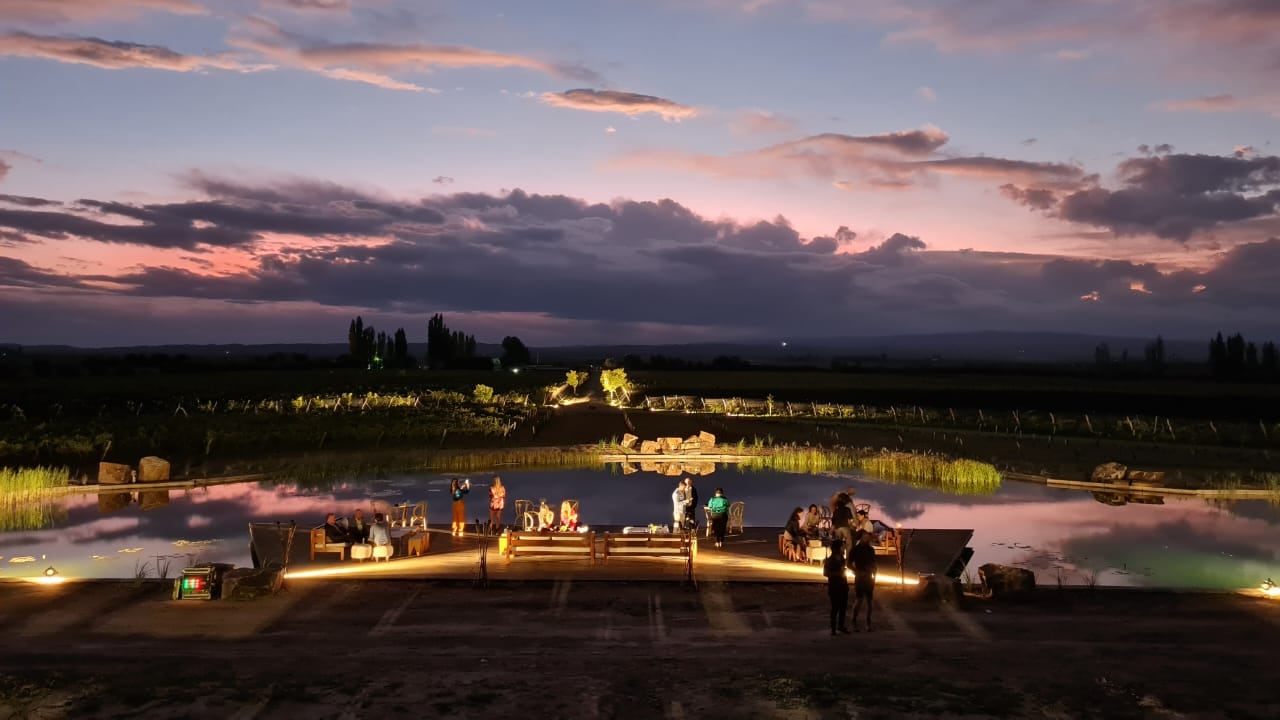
(446, 348)
(1234, 358)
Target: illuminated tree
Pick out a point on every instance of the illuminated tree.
(483, 394)
(615, 381)
(574, 378)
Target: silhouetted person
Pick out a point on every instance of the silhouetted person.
(837, 587)
(862, 558)
(358, 531)
(333, 532)
(690, 505)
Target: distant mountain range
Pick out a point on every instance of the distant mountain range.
(999, 347)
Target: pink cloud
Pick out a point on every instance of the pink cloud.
(1227, 103)
(758, 122)
(53, 11)
(370, 63)
(113, 55)
(625, 103)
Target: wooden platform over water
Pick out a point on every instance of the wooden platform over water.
(748, 557)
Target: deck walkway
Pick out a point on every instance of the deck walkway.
(748, 557)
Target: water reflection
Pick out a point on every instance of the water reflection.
(1061, 535)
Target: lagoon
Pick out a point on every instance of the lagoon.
(1063, 535)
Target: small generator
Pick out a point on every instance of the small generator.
(200, 582)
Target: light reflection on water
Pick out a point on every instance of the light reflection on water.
(1067, 535)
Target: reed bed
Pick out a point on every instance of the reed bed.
(24, 497)
(961, 477)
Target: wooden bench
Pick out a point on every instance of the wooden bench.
(320, 544)
(652, 545)
(551, 543)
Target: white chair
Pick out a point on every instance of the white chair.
(361, 552)
(383, 551)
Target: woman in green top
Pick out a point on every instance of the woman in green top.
(718, 509)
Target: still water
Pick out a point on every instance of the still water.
(1062, 535)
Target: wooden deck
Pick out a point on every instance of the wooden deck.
(748, 557)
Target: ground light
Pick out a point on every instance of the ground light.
(1270, 589)
(50, 576)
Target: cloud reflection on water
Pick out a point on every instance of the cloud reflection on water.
(1183, 543)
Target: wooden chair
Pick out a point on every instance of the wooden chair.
(522, 508)
(320, 544)
(398, 516)
(419, 516)
(736, 511)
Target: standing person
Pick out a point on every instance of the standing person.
(837, 587)
(862, 557)
(842, 519)
(678, 499)
(690, 505)
(497, 503)
(458, 490)
(718, 509)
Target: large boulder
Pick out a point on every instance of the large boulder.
(1149, 478)
(670, 445)
(650, 447)
(114, 474)
(1112, 472)
(153, 469)
(708, 442)
(629, 441)
(153, 499)
(1002, 581)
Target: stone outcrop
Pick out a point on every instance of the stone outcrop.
(114, 474)
(1112, 472)
(153, 469)
(1002, 581)
(629, 441)
(650, 447)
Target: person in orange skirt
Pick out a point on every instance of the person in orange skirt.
(458, 490)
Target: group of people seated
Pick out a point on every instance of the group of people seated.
(545, 517)
(356, 530)
(843, 523)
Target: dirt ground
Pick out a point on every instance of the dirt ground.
(353, 649)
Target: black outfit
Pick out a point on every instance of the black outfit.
(862, 558)
(837, 591)
(359, 531)
(690, 508)
(842, 526)
(335, 534)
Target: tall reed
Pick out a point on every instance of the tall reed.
(24, 497)
(962, 477)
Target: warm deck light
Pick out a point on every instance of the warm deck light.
(1270, 589)
(50, 572)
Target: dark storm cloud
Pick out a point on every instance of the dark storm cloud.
(1172, 196)
(237, 217)
(27, 201)
(628, 264)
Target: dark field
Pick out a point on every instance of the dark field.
(334, 649)
(992, 391)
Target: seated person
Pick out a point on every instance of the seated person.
(333, 533)
(379, 533)
(794, 544)
(568, 517)
(546, 516)
(358, 530)
(862, 523)
(812, 520)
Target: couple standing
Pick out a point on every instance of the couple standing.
(683, 502)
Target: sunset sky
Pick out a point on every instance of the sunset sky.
(637, 170)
